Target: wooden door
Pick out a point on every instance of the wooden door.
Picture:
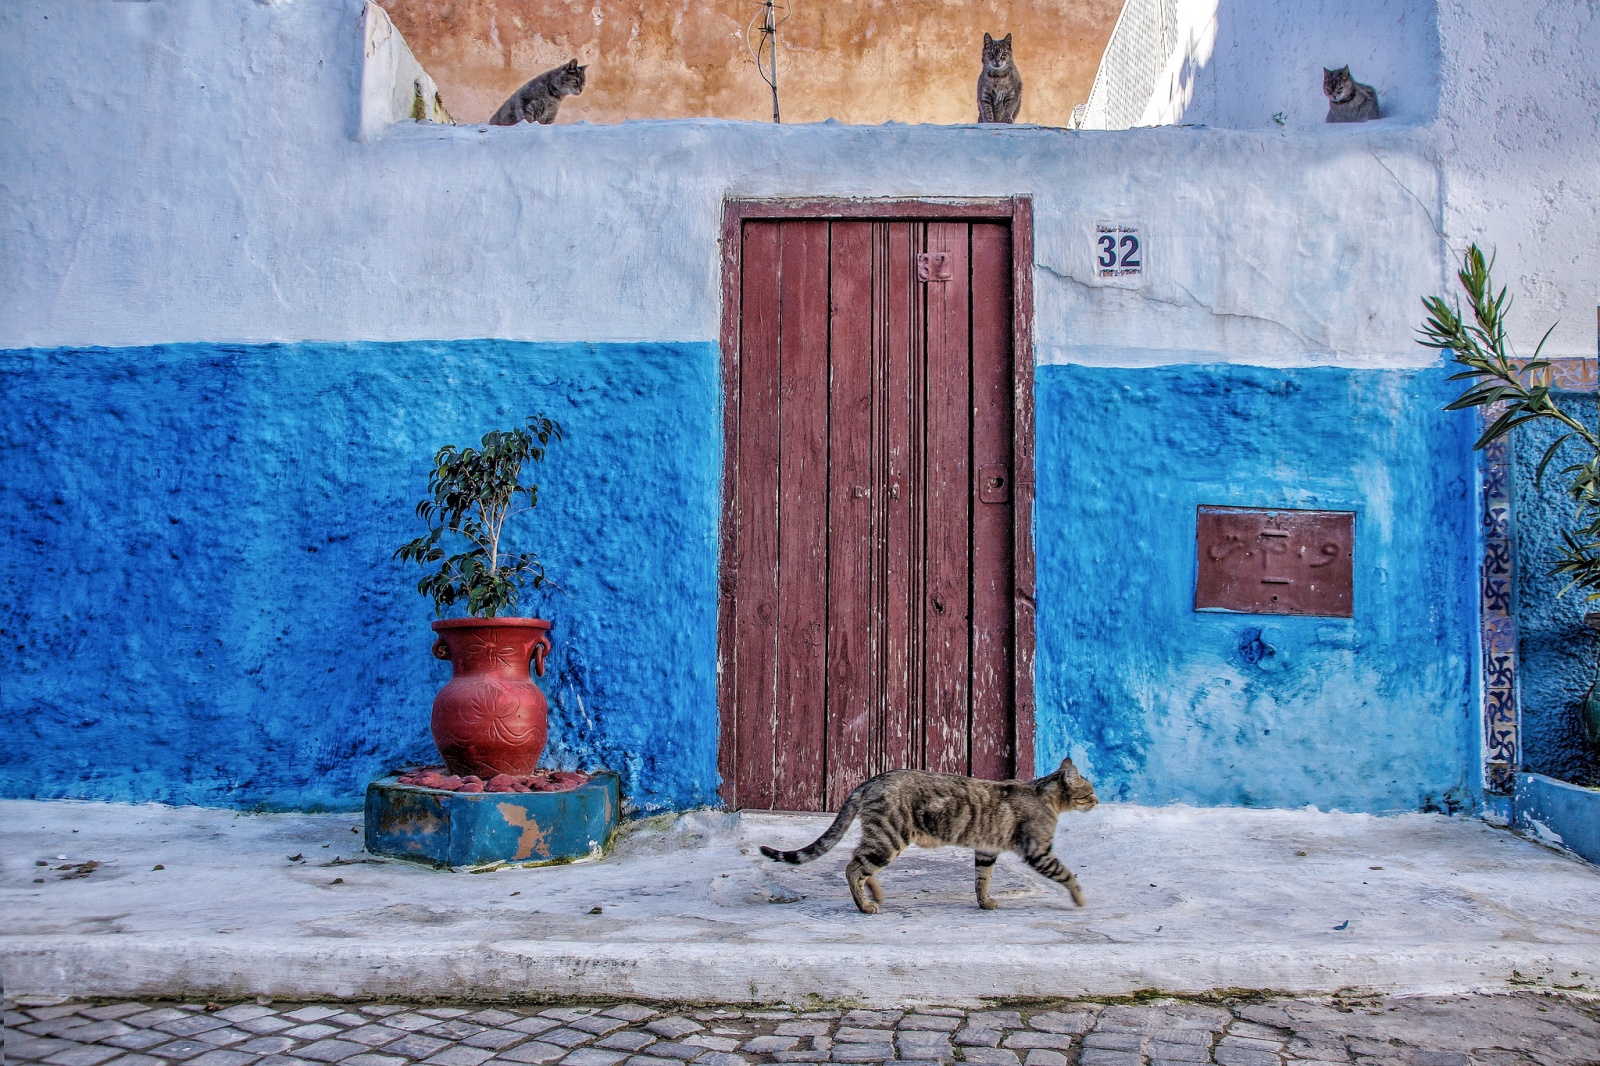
(869, 566)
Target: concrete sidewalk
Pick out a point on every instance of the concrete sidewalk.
(1179, 900)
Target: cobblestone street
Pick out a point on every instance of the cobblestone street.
(1418, 1031)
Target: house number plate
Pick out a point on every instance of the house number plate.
(1274, 562)
(1119, 253)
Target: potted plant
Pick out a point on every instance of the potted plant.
(490, 718)
(1516, 396)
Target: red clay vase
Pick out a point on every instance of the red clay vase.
(491, 718)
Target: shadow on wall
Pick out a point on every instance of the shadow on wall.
(870, 61)
(1253, 64)
(204, 608)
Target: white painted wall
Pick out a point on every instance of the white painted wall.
(1519, 135)
(1508, 95)
(1253, 64)
(182, 170)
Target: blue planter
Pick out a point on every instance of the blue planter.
(440, 828)
(1557, 813)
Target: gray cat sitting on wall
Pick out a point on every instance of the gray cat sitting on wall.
(1348, 99)
(999, 84)
(538, 100)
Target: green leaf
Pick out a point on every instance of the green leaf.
(1549, 454)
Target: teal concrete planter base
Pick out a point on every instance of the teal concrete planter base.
(467, 829)
(1557, 813)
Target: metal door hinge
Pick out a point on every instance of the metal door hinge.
(934, 266)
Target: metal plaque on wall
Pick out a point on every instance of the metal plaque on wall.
(1274, 562)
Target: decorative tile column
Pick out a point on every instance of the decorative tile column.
(1499, 625)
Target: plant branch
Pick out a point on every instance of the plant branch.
(471, 496)
(1508, 388)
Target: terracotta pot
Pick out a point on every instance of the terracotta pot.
(491, 718)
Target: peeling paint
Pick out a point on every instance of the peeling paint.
(533, 838)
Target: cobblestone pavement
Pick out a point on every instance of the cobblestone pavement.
(1448, 1031)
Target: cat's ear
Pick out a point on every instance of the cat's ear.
(987, 40)
(572, 65)
(1006, 39)
(1067, 769)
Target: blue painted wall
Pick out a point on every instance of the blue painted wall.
(200, 606)
(1556, 652)
(1373, 713)
(197, 599)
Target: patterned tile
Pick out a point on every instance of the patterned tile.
(222, 1037)
(137, 1039)
(495, 1039)
(222, 1057)
(460, 1056)
(535, 1052)
(181, 1050)
(492, 1017)
(417, 1046)
(1498, 637)
(112, 1011)
(312, 1014)
(332, 1050)
(190, 1024)
(83, 1055)
(136, 1060)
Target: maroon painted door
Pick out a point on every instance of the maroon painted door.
(869, 583)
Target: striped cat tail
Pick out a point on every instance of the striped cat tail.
(824, 843)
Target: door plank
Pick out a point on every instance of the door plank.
(900, 385)
(755, 562)
(853, 614)
(1022, 459)
(946, 663)
(799, 744)
(992, 545)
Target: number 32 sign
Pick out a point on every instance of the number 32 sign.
(1118, 253)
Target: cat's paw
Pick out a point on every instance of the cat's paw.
(868, 907)
(988, 904)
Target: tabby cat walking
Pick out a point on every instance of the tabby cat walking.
(905, 807)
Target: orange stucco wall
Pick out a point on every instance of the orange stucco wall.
(862, 61)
